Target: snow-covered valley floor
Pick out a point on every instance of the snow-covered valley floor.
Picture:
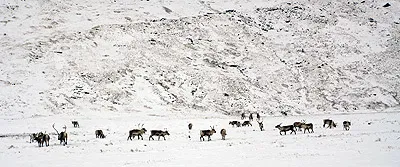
(373, 140)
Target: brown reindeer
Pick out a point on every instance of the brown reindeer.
(63, 136)
(297, 125)
(307, 127)
(32, 137)
(223, 133)
(285, 128)
(99, 134)
(251, 117)
(158, 133)
(208, 133)
(136, 132)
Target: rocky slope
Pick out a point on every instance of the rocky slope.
(281, 57)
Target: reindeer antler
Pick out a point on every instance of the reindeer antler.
(55, 128)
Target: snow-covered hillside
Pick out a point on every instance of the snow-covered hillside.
(295, 57)
(223, 56)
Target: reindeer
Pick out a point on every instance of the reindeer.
(208, 133)
(75, 123)
(233, 123)
(297, 125)
(46, 139)
(158, 133)
(190, 126)
(223, 133)
(247, 123)
(243, 116)
(32, 137)
(137, 132)
(63, 136)
(43, 138)
(285, 128)
(99, 134)
(346, 125)
(258, 117)
(330, 123)
(261, 125)
(39, 139)
(307, 127)
(251, 117)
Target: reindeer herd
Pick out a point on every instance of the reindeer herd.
(43, 138)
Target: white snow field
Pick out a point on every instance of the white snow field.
(112, 64)
(373, 140)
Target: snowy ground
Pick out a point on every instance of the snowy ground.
(373, 144)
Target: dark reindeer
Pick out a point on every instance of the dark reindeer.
(158, 133)
(247, 123)
(233, 123)
(208, 133)
(63, 136)
(330, 123)
(251, 117)
(76, 124)
(42, 138)
(261, 125)
(243, 116)
(190, 126)
(99, 134)
(285, 128)
(223, 133)
(258, 117)
(346, 125)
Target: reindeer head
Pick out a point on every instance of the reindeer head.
(279, 125)
(213, 129)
